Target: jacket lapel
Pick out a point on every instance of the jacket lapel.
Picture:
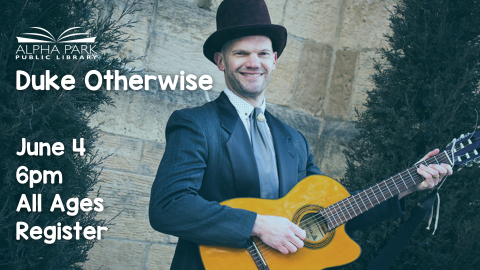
(240, 151)
(285, 153)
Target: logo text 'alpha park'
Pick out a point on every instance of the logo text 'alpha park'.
(42, 45)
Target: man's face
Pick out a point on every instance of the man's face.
(248, 63)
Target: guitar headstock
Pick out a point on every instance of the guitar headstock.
(466, 150)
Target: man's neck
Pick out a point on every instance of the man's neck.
(255, 102)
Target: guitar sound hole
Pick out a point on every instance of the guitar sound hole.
(314, 226)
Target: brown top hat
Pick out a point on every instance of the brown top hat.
(240, 18)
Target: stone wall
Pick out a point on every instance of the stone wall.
(322, 76)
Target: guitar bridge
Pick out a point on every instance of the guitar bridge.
(257, 256)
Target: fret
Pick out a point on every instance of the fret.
(353, 208)
(373, 192)
(356, 203)
(334, 216)
(366, 208)
(378, 186)
(436, 159)
(403, 180)
(411, 176)
(345, 209)
(368, 197)
(395, 185)
(330, 216)
(388, 188)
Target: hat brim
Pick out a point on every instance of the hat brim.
(276, 33)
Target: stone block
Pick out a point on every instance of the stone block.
(129, 195)
(307, 124)
(341, 86)
(364, 24)
(168, 55)
(151, 156)
(311, 86)
(275, 9)
(110, 254)
(330, 158)
(363, 82)
(184, 20)
(144, 114)
(160, 257)
(125, 152)
(280, 88)
(329, 155)
(316, 20)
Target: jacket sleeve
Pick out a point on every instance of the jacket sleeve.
(176, 208)
(311, 167)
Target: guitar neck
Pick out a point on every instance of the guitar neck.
(348, 208)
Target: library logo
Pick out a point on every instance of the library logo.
(42, 45)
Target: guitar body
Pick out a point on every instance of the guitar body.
(322, 249)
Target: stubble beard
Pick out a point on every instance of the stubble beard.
(251, 92)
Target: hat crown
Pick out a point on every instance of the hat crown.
(233, 13)
(241, 18)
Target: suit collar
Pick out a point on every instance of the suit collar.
(228, 114)
(242, 156)
(240, 151)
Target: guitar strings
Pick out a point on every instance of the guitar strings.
(335, 207)
(364, 194)
(308, 222)
(361, 195)
(264, 249)
(336, 216)
(313, 220)
(388, 186)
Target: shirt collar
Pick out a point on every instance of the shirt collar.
(244, 109)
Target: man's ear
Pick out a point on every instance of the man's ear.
(220, 60)
(274, 60)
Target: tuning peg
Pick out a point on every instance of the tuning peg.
(469, 164)
(477, 160)
(462, 136)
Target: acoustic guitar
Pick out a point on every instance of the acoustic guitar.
(321, 206)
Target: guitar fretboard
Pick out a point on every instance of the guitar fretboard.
(348, 208)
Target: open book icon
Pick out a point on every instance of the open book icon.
(51, 39)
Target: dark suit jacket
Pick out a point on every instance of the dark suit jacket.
(209, 159)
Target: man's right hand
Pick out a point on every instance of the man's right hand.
(279, 233)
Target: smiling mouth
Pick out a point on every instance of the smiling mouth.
(251, 74)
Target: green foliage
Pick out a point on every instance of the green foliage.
(425, 94)
(51, 116)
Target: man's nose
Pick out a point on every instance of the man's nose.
(253, 61)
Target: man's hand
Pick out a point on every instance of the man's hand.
(279, 233)
(433, 174)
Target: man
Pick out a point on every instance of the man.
(232, 147)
